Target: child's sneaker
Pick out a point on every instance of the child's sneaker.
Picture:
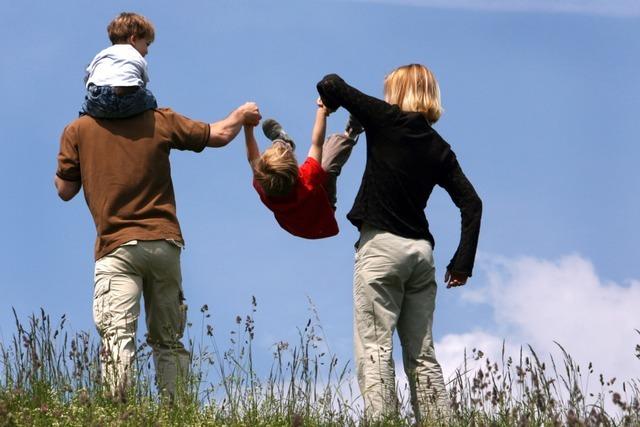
(353, 128)
(273, 130)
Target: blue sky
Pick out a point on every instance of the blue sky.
(541, 104)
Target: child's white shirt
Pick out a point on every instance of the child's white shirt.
(117, 65)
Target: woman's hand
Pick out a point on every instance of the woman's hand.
(454, 279)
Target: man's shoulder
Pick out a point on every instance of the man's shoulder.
(87, 120)
(169, 114)
(159, 118)
(87, 124)
(80, 122)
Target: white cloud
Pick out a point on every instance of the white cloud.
(592, 7)
(451, 351)
(537, 302)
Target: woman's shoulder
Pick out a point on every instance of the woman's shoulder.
(420, 131)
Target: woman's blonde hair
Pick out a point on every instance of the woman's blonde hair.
(277, 169)
(414, 88)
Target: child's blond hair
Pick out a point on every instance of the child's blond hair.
(277, 169)
(414, 88)
(129, 24)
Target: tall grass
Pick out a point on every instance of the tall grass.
(49, 376)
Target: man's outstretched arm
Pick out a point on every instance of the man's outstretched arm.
(225, 130)
(66, 189)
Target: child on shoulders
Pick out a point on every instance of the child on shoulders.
(117, 77)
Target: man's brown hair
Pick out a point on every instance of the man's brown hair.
(277, 169)
(129, 24)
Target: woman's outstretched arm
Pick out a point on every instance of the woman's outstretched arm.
(370, 111)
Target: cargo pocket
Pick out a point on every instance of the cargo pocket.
(182, 315)
(102, 302)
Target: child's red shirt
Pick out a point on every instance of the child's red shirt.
(306, 211)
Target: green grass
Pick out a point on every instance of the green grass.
(51, 377)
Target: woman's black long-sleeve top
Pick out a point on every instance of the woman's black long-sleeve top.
(406, 158)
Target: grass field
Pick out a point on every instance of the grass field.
(51, 377)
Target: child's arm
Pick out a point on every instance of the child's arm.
(224, 131)
(253, 153)
(319, 130)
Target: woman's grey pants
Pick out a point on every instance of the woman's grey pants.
(394, 287)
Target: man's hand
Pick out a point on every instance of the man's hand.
(223, 131)
(250, 114)
(454, 279)
(66, 189)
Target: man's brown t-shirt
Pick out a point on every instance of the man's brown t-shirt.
(125, 172)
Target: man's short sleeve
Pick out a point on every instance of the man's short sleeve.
(312, 174)
(184, 133)
(68, 158)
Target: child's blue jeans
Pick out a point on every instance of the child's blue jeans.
(102, 102)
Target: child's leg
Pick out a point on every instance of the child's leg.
(99, 102)
(273, 130)
(105, 103)
(335, 153)
(138, 101)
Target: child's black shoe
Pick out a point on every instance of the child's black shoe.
(273, 130)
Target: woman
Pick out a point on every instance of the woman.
(394, 277)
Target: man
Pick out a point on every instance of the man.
(123, 166)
